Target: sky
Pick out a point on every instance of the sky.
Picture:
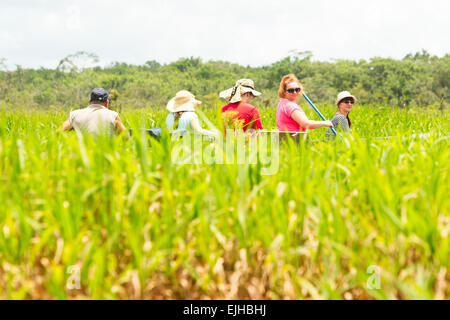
(40, 33)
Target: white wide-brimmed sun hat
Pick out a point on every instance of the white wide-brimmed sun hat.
(240, 87)
(344, 94)
(183, 101)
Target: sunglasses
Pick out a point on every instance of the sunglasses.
(348, 101)
(292, 90)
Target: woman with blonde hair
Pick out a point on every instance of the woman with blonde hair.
(182, 114)
(290, 117)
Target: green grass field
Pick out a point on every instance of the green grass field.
(364, 218)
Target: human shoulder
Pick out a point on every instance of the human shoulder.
(75, 113)
(285, 103)
(114, 113)
(249, 107)
(339, 119)
(106, 113)
(79, 110)
(225, 108)
(229, 106)
(292, 105)
(339, 116)
(189, 115)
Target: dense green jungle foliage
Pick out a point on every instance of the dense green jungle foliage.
(417, 80)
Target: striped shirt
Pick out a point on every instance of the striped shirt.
(338, 120)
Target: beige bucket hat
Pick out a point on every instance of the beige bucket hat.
(240, 87)
(183, 101)
(344, 94)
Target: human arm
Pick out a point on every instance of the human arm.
(304, 122)
(170, 119)
(195, 125)
(118, 125)
(256, 121)
(257, 124)
(66, 126)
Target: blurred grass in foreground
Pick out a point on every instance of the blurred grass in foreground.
(138, 226)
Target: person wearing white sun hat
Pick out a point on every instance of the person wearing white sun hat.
(182, 114)
(344, 101)
(239, 113)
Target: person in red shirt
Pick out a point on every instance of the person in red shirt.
(239, 113)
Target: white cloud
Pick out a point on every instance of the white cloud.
(9, 39)
(34, 33)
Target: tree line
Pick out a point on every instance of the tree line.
(418, 79)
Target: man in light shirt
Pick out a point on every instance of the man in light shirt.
(96, 117)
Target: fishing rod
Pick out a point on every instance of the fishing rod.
(318, 112)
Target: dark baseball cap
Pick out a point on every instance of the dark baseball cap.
(99, 94)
